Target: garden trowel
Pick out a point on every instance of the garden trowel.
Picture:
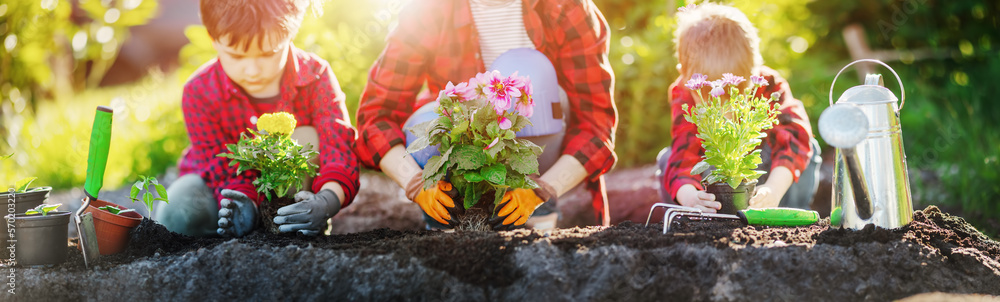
(97, 160)
(767, 216)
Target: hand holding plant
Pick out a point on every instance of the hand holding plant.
(282, 162)
(731, 129)
(475, 134)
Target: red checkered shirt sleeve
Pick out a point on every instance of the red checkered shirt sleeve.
(586, 76)
(686, 150)
(789, 139)
(393, 83)
(208, 138)
(338, 163)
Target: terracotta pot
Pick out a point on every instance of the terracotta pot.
(112, 230)
(41, 240)
(22, 202)
(732, 199)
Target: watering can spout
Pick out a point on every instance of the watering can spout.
(844, 126)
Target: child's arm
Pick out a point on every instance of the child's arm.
(203, 118)
(770, 193)
(338, 171)
(686, 151)
(789, 141)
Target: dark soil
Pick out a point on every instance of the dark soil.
(696, 260)
(269, 210)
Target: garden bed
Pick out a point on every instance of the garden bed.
(938, 252)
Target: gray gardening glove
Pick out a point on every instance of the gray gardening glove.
(309, 214)
(238, 215)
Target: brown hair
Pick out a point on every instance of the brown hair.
(244, 20)
(713, 39)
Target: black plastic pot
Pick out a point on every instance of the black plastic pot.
(41, 240)
(733, 199)
(22, 202)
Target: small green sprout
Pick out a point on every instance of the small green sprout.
(148, 184)
(115, 210)
(43, 209)
(21, 186)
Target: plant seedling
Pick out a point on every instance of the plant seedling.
(43, 209)
(148, 184)
(115, 210)
(21, 186)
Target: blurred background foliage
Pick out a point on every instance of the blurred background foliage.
(944, 51)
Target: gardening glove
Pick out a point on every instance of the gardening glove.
(238, 215)
(435, 202)
(518, 204)
(309, 213)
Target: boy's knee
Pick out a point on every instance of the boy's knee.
(192, 209)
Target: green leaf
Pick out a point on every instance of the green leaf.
(162, 191)
(473, 176)
(700, 167)
(43, 209)
(469, 157)
(471, 196)
(496, 174)
(524, 164)
(735, 182)
(419, 144)
(136, 188)
(22, 185)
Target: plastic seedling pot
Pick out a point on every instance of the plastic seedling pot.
(41, 240)
(733, 200)
(112, 230)
(22, 203)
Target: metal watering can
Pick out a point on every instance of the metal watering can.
(870, 182)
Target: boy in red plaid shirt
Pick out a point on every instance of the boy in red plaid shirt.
(713, 39)
(437, 42)
(258, 71)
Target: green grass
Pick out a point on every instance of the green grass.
(147, 135)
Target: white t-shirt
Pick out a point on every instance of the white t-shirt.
(500, 24)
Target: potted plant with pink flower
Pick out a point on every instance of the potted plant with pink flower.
(731, 124)
(475, 133)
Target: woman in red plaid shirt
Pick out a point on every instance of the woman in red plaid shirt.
(441, 41)
(713, 39)
(258, 71)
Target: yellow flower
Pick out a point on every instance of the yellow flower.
(281, 123)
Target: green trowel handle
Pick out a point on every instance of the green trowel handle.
(100, 143)
(778, 216)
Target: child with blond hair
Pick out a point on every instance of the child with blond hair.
(713, 40)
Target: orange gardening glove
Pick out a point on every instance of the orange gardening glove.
(434, 201)
(518, 204)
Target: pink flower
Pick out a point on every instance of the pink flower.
(717, 88)
(758, 80)
(687, 8)
(526, 104)
(500, 91)
(495, 141)
(505, 122)
(463, 91)
(730, 79)
(697, 81)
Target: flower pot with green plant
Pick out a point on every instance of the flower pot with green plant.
(284, 165)
(731, 124)
(20, 198)
(40, 235)
(113, 222)
(475, 134)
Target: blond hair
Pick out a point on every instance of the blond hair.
(713, 39)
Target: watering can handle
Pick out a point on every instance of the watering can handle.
(898, 80)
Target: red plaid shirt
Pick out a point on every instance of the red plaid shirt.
(789, 139)
(216, 111)
(437, 42)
